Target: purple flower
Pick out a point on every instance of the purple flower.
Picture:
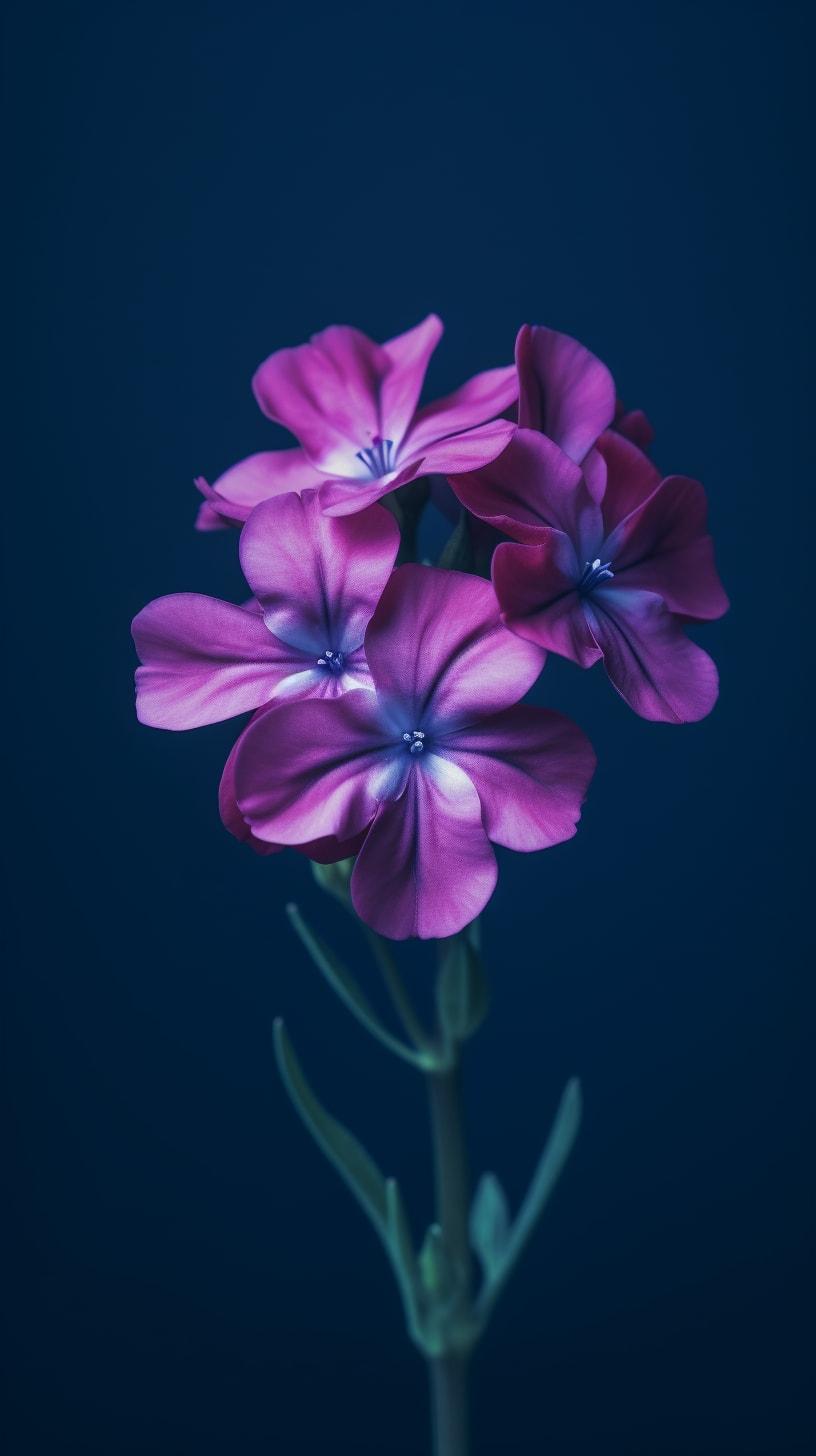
(567, 394)
(352, 404)
(430, 768)
(615, 562)
(316, 582)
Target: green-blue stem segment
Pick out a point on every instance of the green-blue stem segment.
(448, 1372)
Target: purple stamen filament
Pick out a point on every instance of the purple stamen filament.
(594, 573)
(378, 457)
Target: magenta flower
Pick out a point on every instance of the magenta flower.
(352, 404)
(567, 394)
(615, 561)
(316, 582)
(437, 763)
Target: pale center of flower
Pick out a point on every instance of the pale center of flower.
(594, 573)
(414, 741)
(333, 661)
(378, 457)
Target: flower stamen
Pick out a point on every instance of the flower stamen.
(332, 660)
(414, 741)
(594, 573)
(378, 457)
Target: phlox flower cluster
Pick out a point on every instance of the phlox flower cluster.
(386, 695)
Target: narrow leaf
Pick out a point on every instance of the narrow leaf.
(343, 983)
(341, 1148)
(557, 1149)
(401, 1249)
(489, 1223)
(435, 1268)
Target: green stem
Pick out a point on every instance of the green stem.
(448, 1371)
(449, 1406)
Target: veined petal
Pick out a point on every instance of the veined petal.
(325, 851)
(437, 649)
(204, 660)
(480, 399)
(531, 769)
(656, 668)
(468, 451)
(536, 586)
(426, 867)
(564, 390)
(662, 546)
(317, 578)
(314, 769)
(258, 478)
(327, 392)
(409, 354)
(532, 485)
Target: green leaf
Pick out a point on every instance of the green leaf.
(341, 1148)
(461, 987)
(403, 1258)
(350, 993)
(556, 1151)
(489, 1223)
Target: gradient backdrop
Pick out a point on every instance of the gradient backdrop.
(197, 184)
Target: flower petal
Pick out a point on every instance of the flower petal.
(327, 392)
(314, 768)
(204, 660)
(325, 851)
(531, 769)
(259, 477)
(656, 668)
(468, 451)
(564, 390)
(409, 354)
(536, 589)
(634, 425)
(631, 477)
(663, 546)
(426, 867)
(318, 579)
(438, 651)
(480, 399)
(532, 485)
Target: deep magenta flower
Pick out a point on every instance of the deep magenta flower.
(567, 394)
(615, 562)
(437, 763)
(352, 404)
(316, 582)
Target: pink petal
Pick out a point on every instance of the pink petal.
(479, 400)
(327, 392)
(536, 589)
(531, 769)
(409, 354)
(663, 546)
(437, 649)
(426, 867)
(315, 769)
(318, 579)
(564, 390)
(231, 816)
(325, 851)
(630, 478)
(532, 485)
(656, 669)
(259, 477)
(204, 660)
(468, 451)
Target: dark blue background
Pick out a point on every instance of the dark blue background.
(196, 185)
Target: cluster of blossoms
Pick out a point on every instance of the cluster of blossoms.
(386, 698)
